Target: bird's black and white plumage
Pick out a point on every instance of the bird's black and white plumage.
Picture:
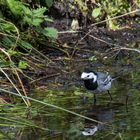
(97, 82)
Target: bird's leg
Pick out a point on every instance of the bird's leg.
(94, 99)
(85, 98)
(127, 102)
(110, 95)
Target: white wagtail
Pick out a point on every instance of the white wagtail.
(97, 82)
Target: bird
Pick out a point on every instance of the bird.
(97, 82)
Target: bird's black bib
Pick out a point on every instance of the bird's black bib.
(90, 85)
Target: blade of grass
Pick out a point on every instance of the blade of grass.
(22, 123)
(14, 86)
(26, 102)
(17, 31)
(54, 106)
(23, 89)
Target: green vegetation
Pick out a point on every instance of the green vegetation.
(37, 43)
(21, 33)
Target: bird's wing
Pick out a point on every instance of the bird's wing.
(103, 79)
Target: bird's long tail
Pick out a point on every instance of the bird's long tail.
(120, 73)
(115, 77)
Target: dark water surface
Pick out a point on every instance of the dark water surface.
(122, 121)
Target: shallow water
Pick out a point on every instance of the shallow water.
(121, 120)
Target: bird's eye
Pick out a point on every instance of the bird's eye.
(87, 75)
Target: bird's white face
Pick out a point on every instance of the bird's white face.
(89, 75)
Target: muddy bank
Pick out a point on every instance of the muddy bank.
(97, 50)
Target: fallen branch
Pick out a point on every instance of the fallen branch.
(126, 48)
(117, 47)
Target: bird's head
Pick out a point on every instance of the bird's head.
(89, 75)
